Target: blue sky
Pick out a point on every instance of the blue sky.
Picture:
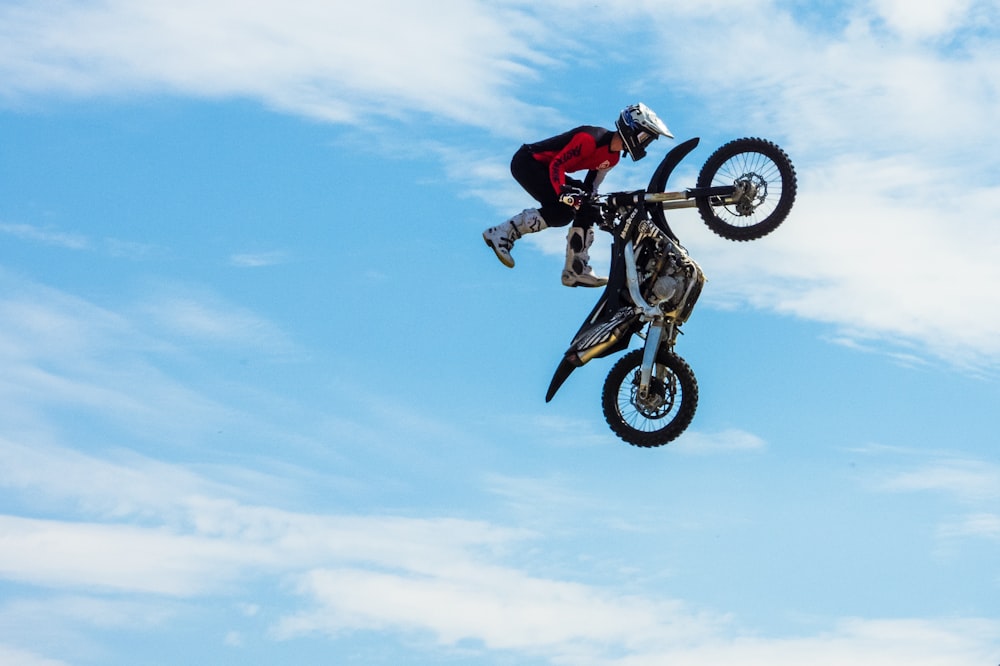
(268, 398)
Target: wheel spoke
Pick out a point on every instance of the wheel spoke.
(661, 415)
(766, 174)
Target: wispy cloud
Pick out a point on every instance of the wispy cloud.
(882, 111)
(501, 608)
(695, 442)
(320, 60)
(202, 317)
(122, 367)
(872, 247)
(258, 259)
(984, 525)
(973, 484)
(194, 536)
(46, 236)
(13, 656)
(444, 578)
(117, 525)
(882, 107)
(964, 479)
(113, 247)
(927, 21)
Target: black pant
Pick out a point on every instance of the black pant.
(533, 176)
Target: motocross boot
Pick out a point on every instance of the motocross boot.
(501, 237)
(578, 272)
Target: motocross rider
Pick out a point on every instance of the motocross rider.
(541, 168)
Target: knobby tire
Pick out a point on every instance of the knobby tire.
(677, 385)
(759, 161)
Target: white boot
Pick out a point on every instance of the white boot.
(578, 272)
(501, 237)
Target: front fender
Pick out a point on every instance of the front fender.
(658, 183)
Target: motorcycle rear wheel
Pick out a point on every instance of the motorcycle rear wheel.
(767, 170)
(664, 414)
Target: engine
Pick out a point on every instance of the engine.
(666, 288)
(671, 279)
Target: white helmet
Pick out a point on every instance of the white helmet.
(639, 126)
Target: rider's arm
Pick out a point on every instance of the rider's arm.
(580, 146)
(594, 179)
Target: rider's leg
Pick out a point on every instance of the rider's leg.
(578, 272)
(533, 176)
(501, 237)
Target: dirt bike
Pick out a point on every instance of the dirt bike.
(744, 190)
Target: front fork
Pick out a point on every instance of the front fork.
(653, 338)
(660, 333)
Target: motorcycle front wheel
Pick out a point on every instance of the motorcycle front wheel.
(762, 170)
(658, 417)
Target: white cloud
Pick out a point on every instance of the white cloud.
(11, 656)
(203, 317)
(152, 527)
(855, 641)
(28, 615)
(926, 19)
(982, 525)
(967, 480)
(974, 484)
(845, 89)
(874, 156)
(339, 61)
(46, 236)
(501, 609)
(116, 372)
(71, 555)
(186, 536)
(695, 442)
(75, 241)
(891, 237)
(258, 259)
(905, 269)
(128, 486)
(192, 544)
(443, 579)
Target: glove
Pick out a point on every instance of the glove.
(573, 196)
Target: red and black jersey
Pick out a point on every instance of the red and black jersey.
(583, 148)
